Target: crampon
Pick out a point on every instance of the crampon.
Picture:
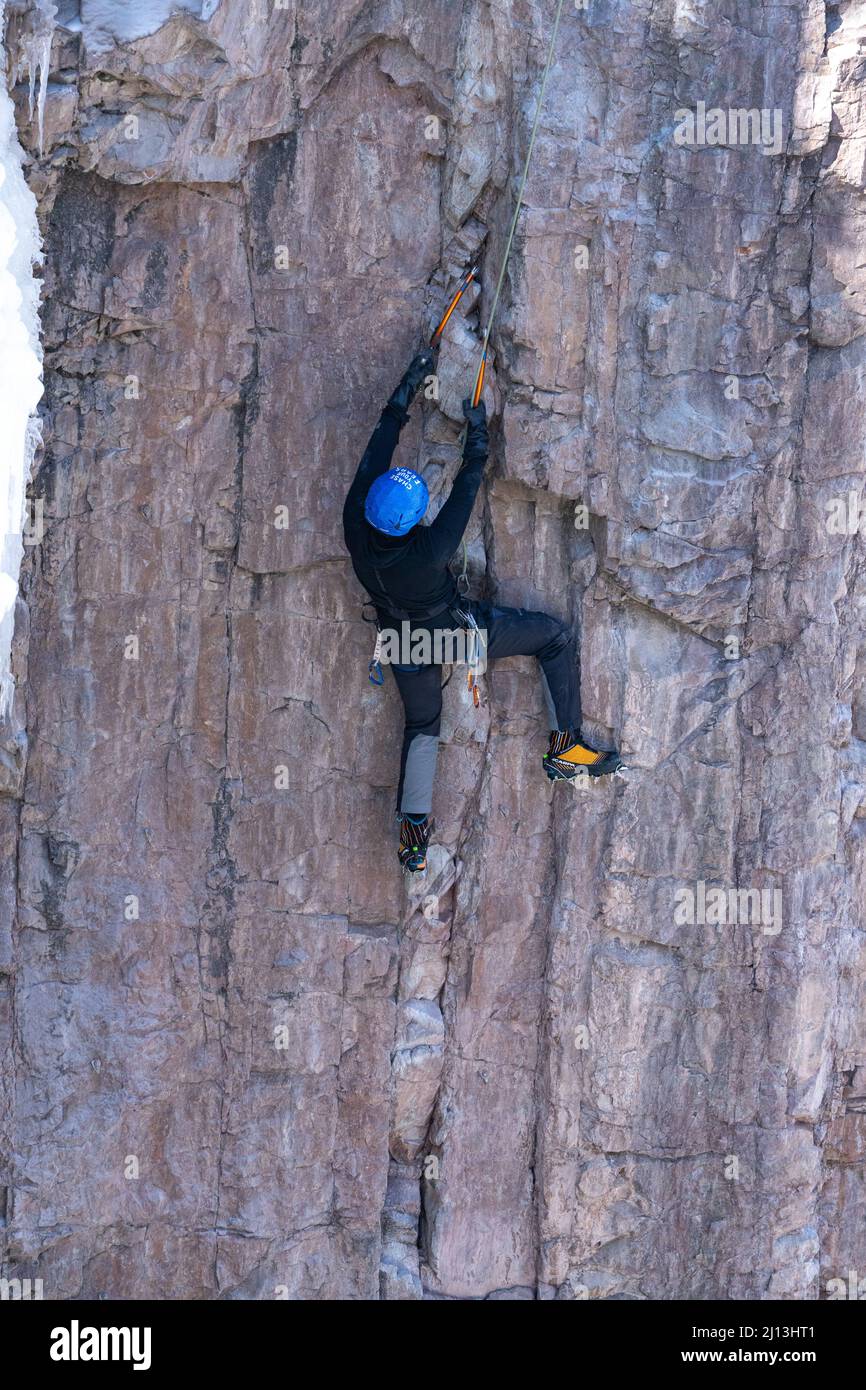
(568, 757)
(414, 839)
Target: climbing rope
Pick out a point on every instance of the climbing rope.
(463, 576)
(476, 642)
(473, 631)
(479, 380)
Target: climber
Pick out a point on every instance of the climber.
(404, 567)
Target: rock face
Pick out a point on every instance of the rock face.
(615, 1045)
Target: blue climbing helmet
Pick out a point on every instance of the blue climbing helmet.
(397, 501)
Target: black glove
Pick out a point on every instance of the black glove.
(419, 368)
(475, 448)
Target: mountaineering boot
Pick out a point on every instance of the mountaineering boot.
(414, 839)
(421, 366)
(569, 757)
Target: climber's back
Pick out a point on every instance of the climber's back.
(402, 564)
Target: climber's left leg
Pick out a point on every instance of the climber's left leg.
(421, 692)
(520, 632)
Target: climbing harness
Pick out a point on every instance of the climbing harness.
(401, 615)
(479, 379)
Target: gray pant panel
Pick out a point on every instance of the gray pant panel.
(419, 775)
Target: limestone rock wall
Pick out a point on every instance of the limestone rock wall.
(242, 1058)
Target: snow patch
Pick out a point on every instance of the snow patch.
(107, 22)
(20, 368)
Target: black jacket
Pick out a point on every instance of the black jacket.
(408, 576)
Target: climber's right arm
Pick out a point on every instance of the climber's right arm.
(446, 532)
(383, 441)
(376, 461)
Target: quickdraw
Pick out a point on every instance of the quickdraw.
(474, 648)
(374, 670)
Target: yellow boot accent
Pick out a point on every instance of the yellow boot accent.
(580, 756)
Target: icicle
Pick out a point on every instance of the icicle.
(42, 61)
(33, 58)
(20, 369)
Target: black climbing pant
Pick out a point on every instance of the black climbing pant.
(510, 632)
